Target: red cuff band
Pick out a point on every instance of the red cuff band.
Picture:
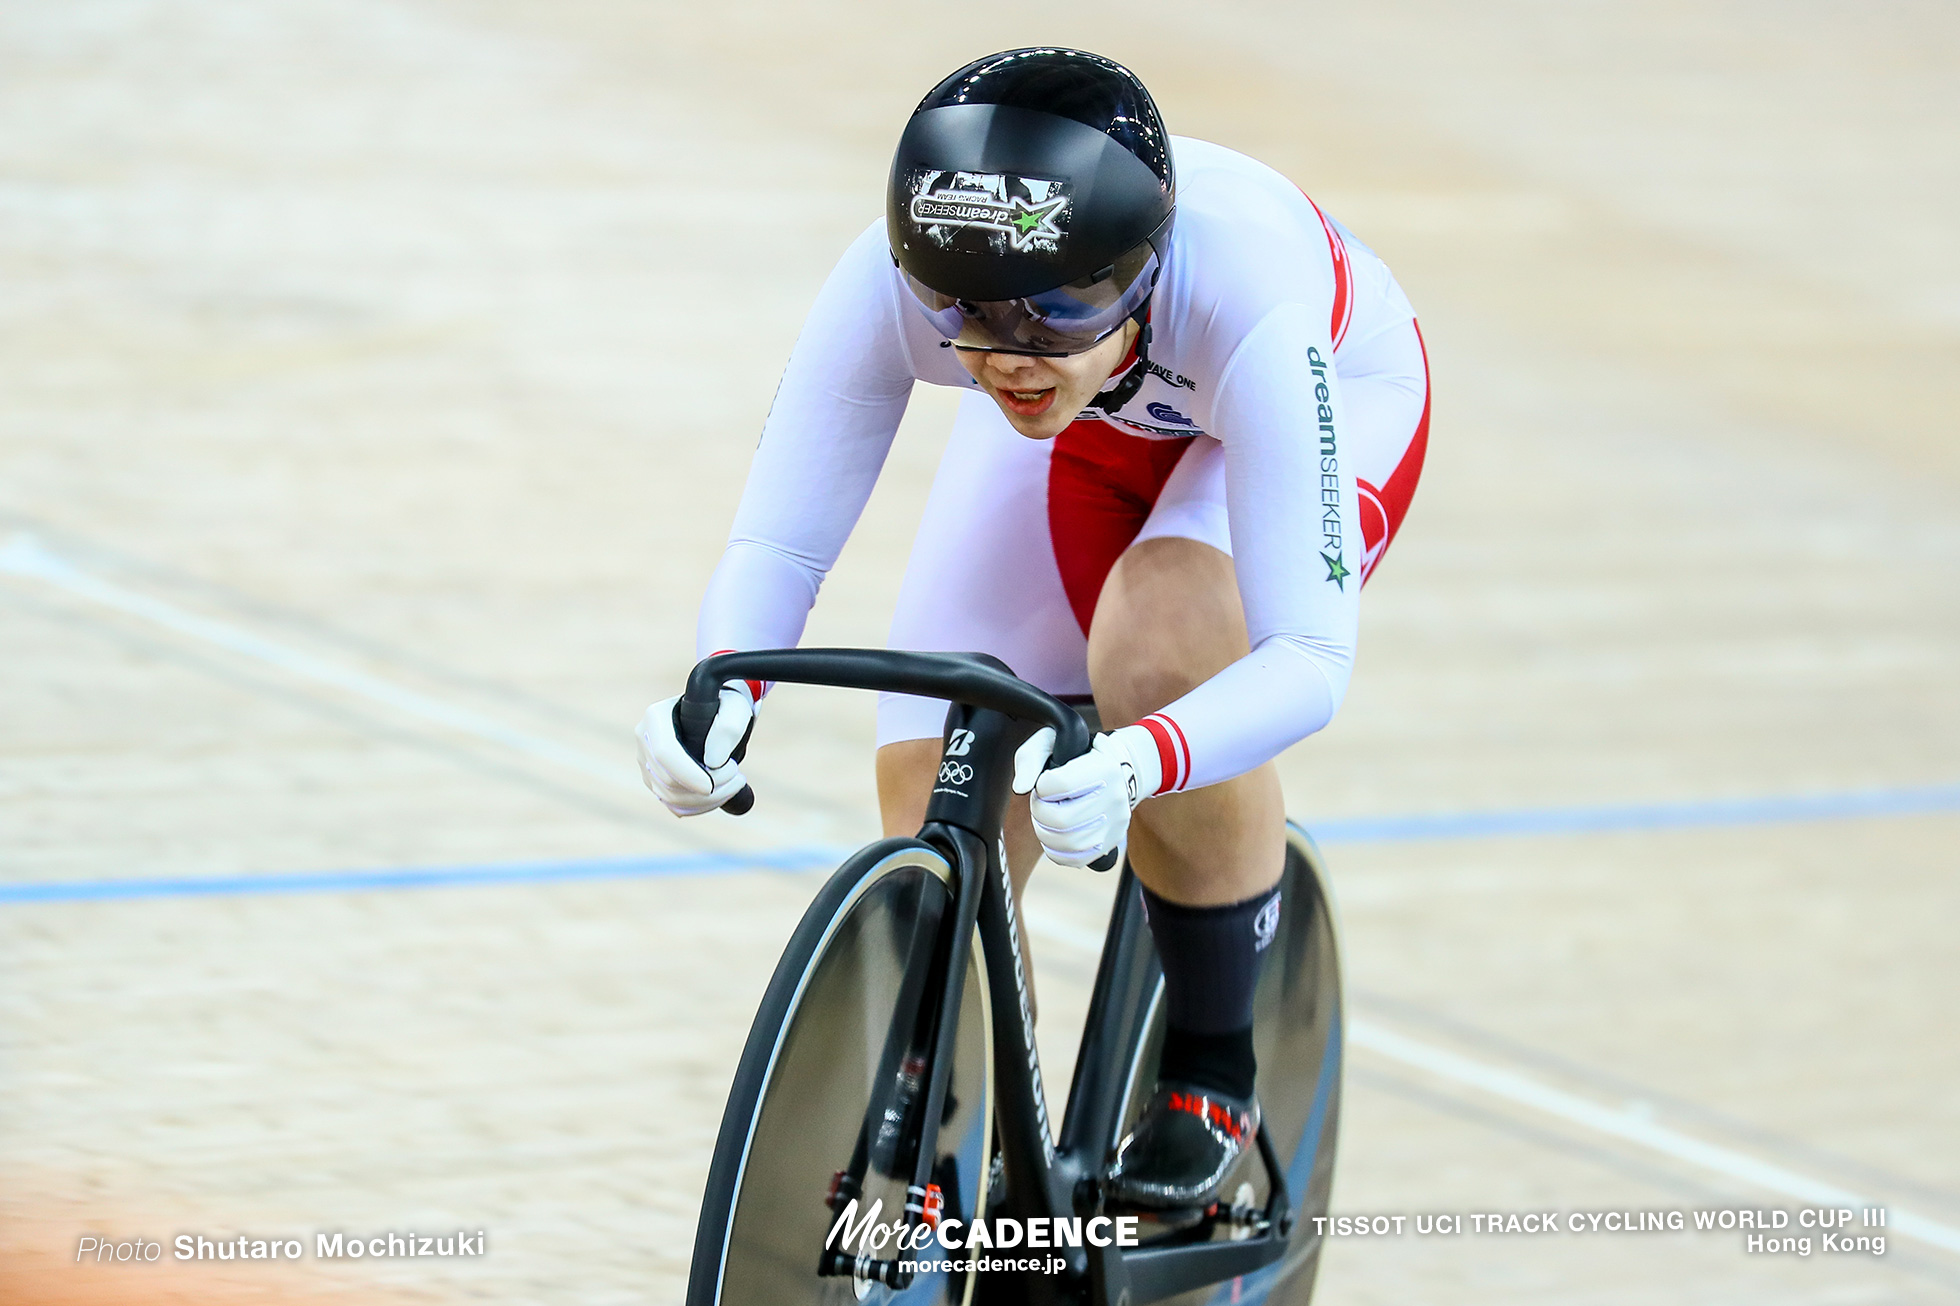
(1172, 753)
(757, 688)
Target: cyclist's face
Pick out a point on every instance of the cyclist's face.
(1040, 396)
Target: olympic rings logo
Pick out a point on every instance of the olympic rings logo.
(954, 773)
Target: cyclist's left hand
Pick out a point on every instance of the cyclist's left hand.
(1082, 808)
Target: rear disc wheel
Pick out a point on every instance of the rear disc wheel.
(1298, 1032)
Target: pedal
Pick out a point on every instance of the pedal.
(1242, 1219)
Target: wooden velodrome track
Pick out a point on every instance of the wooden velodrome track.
(377, 378)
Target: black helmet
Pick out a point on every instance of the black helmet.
(1030, 201)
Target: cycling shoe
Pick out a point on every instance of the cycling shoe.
(1184, 1144)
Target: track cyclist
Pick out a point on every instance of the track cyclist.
(1195, 413)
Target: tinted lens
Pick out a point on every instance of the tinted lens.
(1066, 320)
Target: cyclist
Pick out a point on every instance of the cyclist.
(1195, 412)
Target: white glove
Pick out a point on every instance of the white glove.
(1081, 809)
(680, 782)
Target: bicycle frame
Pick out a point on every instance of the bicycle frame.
(1047, 1177)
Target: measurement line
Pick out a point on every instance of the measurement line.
(1400, 1013)
(1629, 1126)
(1632, 1127)
(26, 557)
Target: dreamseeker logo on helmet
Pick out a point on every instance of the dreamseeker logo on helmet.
(1330, 475)
(1029, 212)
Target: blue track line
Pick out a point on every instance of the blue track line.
(1644, 816)
(424, 877)
(1919, 800)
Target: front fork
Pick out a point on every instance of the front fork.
(962, 820)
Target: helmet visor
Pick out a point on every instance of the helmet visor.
(1069, 319)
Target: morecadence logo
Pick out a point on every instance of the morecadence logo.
(1050, 1235)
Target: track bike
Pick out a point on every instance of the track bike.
(889, 1098)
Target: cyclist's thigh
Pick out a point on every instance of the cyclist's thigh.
(982, 576)
(1385, 391)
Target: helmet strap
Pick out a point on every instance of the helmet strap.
(1126, 389)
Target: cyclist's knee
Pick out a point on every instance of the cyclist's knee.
(1140, 681)
(1169, 619)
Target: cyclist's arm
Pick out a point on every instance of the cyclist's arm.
(1291, 499)
(824, 442)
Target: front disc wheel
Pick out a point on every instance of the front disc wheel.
(830, 1093)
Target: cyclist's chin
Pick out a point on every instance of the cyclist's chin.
(1043, 420)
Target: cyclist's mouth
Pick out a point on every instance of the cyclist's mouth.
(1027, 403)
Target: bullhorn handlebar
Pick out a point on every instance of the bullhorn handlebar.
(976, 679)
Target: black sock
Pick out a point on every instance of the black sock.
(1211, 961)
(1224, 1062)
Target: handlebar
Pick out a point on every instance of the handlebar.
(976, 679)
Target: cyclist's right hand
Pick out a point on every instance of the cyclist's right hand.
(689, 787)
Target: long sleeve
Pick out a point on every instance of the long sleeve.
(1296, 545)
(823, 445)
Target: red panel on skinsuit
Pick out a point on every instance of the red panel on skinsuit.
(1102, 484)
(1382, 509)
(1343, 279)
